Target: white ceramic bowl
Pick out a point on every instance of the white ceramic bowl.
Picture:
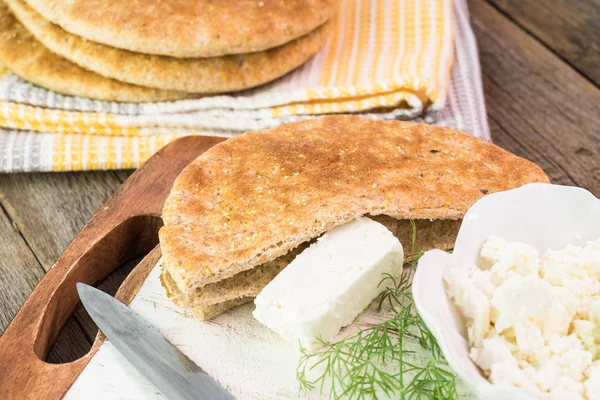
(544, 216)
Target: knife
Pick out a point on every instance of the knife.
(175, 375)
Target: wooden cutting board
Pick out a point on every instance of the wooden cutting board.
(247, 358)
(124, 228)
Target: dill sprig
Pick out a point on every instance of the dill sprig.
(382, 360)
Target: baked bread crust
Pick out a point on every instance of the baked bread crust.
(197, 75)
(253, 198)
(188, 28)
(22, 54)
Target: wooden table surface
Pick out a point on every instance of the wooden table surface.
(541, 80)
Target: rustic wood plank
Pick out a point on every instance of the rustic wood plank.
(50, 209)
(71, 344)
(18, 265)
(124, 174)
(80, 332)
(570, 28)
(539, 107)
(19, 269)
(20, 272)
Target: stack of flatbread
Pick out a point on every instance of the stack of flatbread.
(153, 50)
(243, 210)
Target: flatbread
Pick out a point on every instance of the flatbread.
(214, 298)
(208, 312)
(253, 198)
(199, 75)
(246, 284)
(27, 58)
(188, 28)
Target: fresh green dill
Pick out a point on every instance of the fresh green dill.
(413, 225)
(381, 360)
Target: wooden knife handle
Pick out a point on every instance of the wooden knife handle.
(125, 227)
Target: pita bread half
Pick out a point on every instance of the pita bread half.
(27, 58)
(255, 197)
(214, 298)
(198, 75)
(188, 28)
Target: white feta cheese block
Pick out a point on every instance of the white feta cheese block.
(330, 283)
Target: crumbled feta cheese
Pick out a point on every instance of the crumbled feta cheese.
(547, 376)
(529, 337)
(558, 266)
(512, 375)
(567, 388)
(589, 334)
(471, 300)
(574, 362)
(590, 258)
(592, 384)
(509, 259)
(492, 350)
(559, 345)
(594, 311)
(533, 299)
(533, 322)
(482, 281)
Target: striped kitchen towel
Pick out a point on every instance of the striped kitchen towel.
(387, 59)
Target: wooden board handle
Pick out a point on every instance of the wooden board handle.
(125, 227)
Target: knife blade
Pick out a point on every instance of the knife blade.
(174, 374)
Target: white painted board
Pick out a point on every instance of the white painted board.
(246, 358)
